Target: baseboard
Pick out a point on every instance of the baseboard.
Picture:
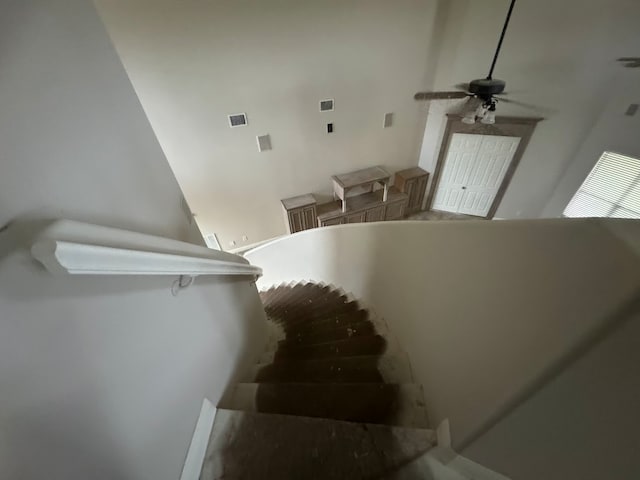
(199, 441)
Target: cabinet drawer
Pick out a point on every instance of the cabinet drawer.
(395, 211)
(332, 221)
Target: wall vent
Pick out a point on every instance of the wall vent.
(388, 120)
(326, 105)
(264, 142)
(238, 120)
(632, 110)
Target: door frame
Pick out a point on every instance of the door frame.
(522, 127)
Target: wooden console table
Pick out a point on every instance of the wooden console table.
(346, 182)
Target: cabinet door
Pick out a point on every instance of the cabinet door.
(356, 217)
(410, 189)
(309, 218)
(375, 214)
(395, 211)
(295, 221)
(421, 187)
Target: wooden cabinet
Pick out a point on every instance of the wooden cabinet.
(300, 213)
(413, 182)
(388, 203)
(368, 207)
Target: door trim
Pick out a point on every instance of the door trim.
(522, 127)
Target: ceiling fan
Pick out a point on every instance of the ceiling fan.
(485, 90)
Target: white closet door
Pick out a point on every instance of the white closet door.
(474, 168)
(485, 177)
(463, 149)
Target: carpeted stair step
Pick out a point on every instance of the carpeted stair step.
(358, 369)
(313, 334)
(322, 311)
(247, 445)
(329, 321)
(365, 345)
(285, 298)
(294, 296)
(390, 404)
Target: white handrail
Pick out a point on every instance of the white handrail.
(78, 248)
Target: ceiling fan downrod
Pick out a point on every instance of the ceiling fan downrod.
(504, 30)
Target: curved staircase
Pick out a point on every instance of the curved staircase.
(332, 397)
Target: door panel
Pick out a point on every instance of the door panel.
(457, 165)
(474, 168)
(491, 163)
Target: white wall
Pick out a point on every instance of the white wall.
(100, 378)
(614, 131)
(559, 55)
(103, 377)
(74, 141)
(580, 425)
(482, 308)
(192, 63)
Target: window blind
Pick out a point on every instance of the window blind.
(612, 189)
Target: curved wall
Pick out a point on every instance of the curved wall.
(484, 309)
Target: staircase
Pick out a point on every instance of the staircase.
(332, 397)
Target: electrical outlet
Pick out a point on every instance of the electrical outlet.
(245, 238)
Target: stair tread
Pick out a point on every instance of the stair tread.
(380, 403)
(329, 321)
(392, 368)
(274, 446)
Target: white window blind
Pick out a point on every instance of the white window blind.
(612, 189)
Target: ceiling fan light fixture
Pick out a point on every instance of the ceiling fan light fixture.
(469, 117)
(489, 117)
(481, 111)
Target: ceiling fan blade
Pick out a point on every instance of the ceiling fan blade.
(440, 95)
(462, 86)
(630, 62)
(525, 105)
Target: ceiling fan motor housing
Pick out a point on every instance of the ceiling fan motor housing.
(486, 87)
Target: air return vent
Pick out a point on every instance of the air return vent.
(326, 105)
(264, 142)
(238, 120)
